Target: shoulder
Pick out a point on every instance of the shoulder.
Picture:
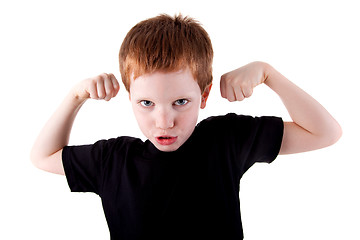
(235, 118)
(233, 123)
(118, 143)
(221, 125)
(123, 140)
(226, 120)
(105, 146)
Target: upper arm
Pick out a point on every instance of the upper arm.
(297, 139)
(52, 163)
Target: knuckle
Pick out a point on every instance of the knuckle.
(116, 85)
(101, 95)
(231, 99)
(101, 77)
(249, 94)
(224, 78)
(244, 85)
(95, 80)
(93, 96)
(104, 75)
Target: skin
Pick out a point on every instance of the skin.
(312, 126)
(159, 107)
(166, 105)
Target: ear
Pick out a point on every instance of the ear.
(205, 96)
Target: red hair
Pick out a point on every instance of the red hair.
(165, 43)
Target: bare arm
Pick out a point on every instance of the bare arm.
(312, 127)
(47, 149)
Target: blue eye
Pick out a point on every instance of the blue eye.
(146, 103)
(181, 102)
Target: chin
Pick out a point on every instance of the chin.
(166, 148)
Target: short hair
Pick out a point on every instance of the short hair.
(166, 44)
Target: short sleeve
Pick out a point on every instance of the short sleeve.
(83, 166)
(259, 139)
(245, 140)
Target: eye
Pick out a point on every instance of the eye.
(146, 103)
(181, 102)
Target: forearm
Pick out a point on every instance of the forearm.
(56, 132)
(304, 110)
(46, 153)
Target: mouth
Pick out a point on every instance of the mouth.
(166, 140)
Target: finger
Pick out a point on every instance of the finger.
(230, 93)
(239, 96)
(247, 91)
(92, 90)
(226, 90)
(115, 84)
(100, 87)
(223, 87)
(109, 89)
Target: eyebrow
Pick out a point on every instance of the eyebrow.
(173, 99)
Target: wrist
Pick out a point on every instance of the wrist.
(75, 99)
(78, 94)
(271, 75)
(267, 71)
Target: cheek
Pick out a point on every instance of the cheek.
(143, 121)
(188, 120)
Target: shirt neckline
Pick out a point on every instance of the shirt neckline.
(152, 152)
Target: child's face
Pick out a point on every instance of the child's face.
(166, 107)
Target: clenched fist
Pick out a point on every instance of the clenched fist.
(239, 83)
(104, 86)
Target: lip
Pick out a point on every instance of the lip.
(166, 140)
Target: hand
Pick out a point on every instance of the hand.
(104, 86)
(239, 83)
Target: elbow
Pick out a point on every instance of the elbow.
(51, 163)
(333, 134)
(34, 159)
(337, 133)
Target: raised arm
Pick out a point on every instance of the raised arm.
(312, 126)
(47, 149)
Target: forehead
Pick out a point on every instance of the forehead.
(159, 84)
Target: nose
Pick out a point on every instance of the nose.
(164, 119)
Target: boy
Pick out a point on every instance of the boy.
(183, 182)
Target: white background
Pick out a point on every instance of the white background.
(48, 46)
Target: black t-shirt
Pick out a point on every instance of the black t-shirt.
(192, 192)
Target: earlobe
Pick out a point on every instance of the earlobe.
(205, 96)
